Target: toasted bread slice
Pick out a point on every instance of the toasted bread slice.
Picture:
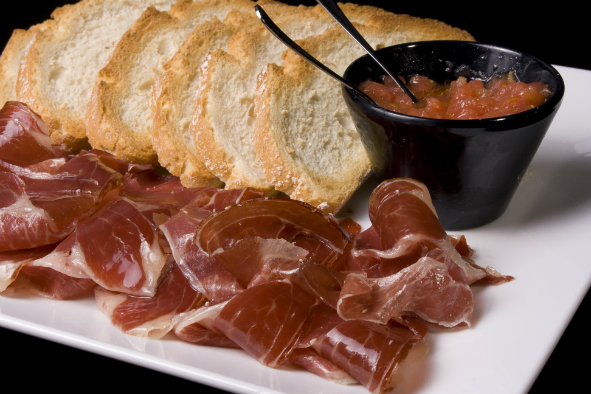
(173, 98)
(58, 71)
(305, 140)
(224, 110)
(118, 116)
(10, 61)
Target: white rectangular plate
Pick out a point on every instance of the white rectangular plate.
(540, 240)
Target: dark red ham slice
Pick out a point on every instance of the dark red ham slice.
(401, 211)
(434, 291)
(266, 320)
(121, 249)
(154, 316)
(493, 277)
(367, 351)
(215, 200)
(24, 137)
(350, 225)
(57, 285)
(105, 170)
(321, 320)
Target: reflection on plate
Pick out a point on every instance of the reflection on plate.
(537, 241)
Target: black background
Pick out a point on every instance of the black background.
(557, 32)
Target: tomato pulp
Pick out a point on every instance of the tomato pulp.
(460, 99)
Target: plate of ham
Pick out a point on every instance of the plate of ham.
(251, 293)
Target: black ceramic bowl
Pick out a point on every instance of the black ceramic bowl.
(471, 167)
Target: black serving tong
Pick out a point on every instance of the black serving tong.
(333, 9)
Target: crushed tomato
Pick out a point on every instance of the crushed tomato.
(460, 99)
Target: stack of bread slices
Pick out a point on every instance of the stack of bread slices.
(203, 89)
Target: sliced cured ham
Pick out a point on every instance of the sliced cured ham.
(150, 317)
(255, 260)
(401, 211)
(266, 320)
(24, 137)
(434, 291)
(151, 188)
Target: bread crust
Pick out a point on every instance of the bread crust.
(295, 100)
(10, 61)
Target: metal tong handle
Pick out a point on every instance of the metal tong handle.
(277, 32)
(333, 9)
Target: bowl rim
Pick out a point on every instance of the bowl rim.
(541, 111)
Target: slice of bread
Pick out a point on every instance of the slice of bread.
(118, 118)
(10, 61)
(305, 140)
(173, 98)
(224, 110)
(59, 69)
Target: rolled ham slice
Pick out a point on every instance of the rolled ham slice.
(403, 215)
